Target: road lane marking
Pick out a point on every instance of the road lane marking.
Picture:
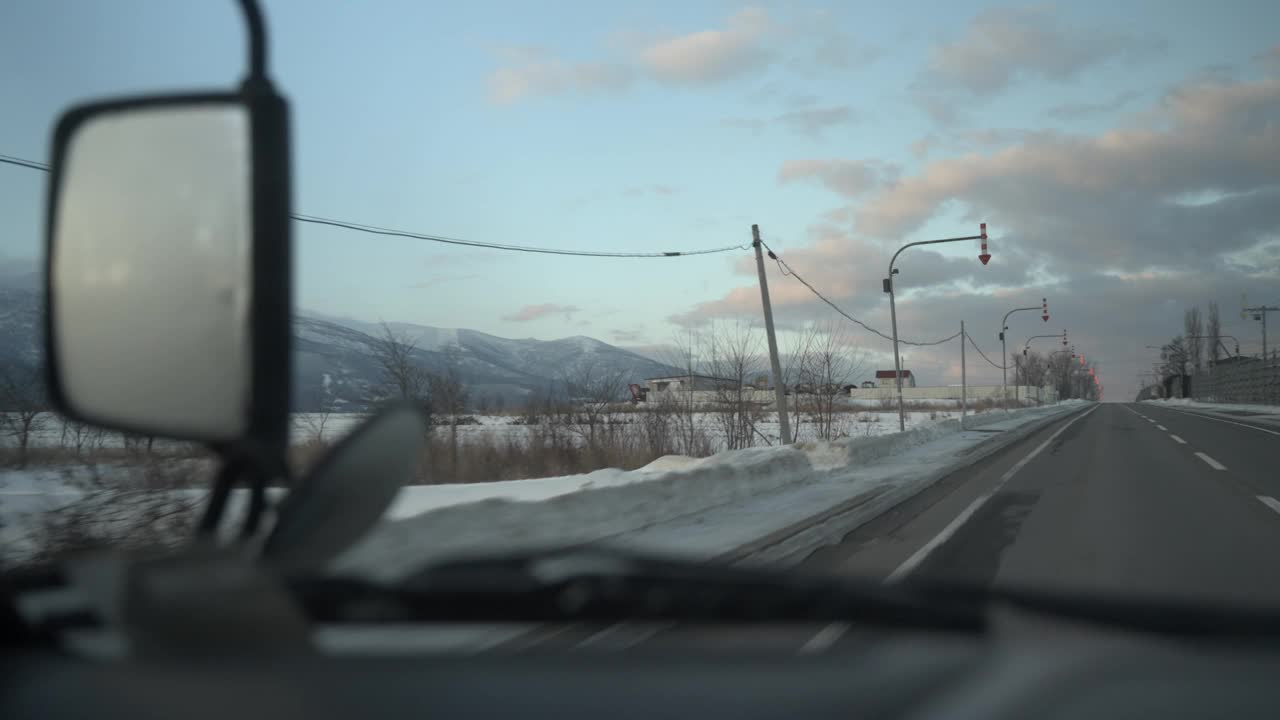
(1165, 429)
(1211, 462)
(1229, 422)
(825, 638)
(1150, 420)
(1270, 502)
(1177, 439)
(623, 635)
(919, 556)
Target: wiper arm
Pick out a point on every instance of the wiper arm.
(601, 585)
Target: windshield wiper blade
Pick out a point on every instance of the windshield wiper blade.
(602, 585)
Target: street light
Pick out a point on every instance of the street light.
(1026, 347)
(1004, 353)
(984, 256)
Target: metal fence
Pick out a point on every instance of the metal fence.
(1247, 380)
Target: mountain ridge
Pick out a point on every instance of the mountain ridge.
(335, 367)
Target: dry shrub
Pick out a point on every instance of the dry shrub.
(148, 504)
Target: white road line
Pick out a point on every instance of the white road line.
(1229, 422)
(1150, 420)
(623, 635)
(1270, 502)
(919, 556)
(1161, 427)
(1211, 462)
(1177, 439)
(825, 638)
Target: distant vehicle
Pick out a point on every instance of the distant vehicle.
(868, 383)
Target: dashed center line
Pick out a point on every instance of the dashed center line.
(1163, 428)
(1270, 502)
(1177, 439)
(1211, 462)
(825, 638)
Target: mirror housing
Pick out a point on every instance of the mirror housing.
(168, 290)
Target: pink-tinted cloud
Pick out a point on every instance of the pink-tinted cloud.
(1112, 198)
(848, 178)
(711, 56)
(529, 313)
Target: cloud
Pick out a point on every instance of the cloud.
(532, 72)
(1004, 46)
(536, 312)
(746, 44)
(1121, 230)
(1076, 111)
(1112, 198)
(627, 336)
(711, 56)
(848, 178)
(813, 122)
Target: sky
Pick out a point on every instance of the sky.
(1125, 156)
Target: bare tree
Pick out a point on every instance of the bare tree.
(449, 397)
(685, 354)
(23, 408)
(829, 362)
(591, 390)
(1193, 332)
(315, 422)
(734, 358)
(1214, 331)
(402, 375)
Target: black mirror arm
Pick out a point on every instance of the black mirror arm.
(257, 34)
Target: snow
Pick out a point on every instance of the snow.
(702, 507)
(1220, 407)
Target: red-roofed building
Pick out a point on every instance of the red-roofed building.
(885, 377)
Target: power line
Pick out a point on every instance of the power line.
(24, 163)
(377, 230)
(786, 270)
(984, 355)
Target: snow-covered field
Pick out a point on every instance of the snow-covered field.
(52, 432)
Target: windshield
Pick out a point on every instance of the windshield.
(646, 268)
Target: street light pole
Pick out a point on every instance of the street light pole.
(1025, 347)
(984, 256)
(1004, 352)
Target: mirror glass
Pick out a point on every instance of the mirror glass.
(150, 273)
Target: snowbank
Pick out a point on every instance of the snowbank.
(1221, 407)
(435, 522)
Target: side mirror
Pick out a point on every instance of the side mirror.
(168, 266)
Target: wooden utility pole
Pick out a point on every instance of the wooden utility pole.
(779, 388)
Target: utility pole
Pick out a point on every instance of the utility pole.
(1260, 313)
(964, 378)
(779, 389)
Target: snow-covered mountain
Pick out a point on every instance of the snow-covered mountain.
(333, 357)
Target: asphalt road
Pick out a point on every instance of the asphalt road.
(1125, 499)
(1121, 499)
